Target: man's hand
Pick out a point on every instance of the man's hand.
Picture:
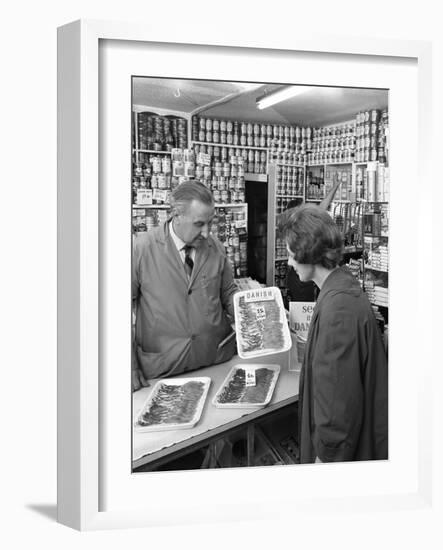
(138, 380)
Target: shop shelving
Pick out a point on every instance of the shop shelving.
(212, 144)
(356, 191)
(249, 176)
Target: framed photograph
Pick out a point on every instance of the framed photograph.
(136, 113)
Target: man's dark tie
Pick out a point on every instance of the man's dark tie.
(189, 264)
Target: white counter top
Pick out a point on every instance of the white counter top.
(150, 446)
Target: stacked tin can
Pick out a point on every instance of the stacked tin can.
(290, 144)
(315, 183)
(183, 165)
(333, 144)
(225, 227)
(290, 180)
(224, 176)
(179, 127)
(281, 251)
(371, 133)
(225, 133)
(383, 134)
(254, 161)
(160, 133)
(229, 132)
(145, 130)
(152, 172)
(280, 276)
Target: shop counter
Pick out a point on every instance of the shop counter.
(150, 447)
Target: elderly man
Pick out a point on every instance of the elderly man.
(182, 289)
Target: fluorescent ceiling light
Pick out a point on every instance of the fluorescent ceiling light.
(281, 95)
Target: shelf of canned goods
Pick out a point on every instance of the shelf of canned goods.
(298, 164)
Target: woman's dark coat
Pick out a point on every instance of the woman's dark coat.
(343, 408)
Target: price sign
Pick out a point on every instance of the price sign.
(204, 159)
(250, 377)
(241, 223)
(144, 196)
(260, 313)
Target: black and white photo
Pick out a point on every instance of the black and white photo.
(249, 199)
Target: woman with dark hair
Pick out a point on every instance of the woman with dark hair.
(343, 397)
(299, 291)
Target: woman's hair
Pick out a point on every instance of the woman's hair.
(312, 235)
(294, 202)
(188, 191)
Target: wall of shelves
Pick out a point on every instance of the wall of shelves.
(289, 164)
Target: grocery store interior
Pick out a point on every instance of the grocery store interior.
(258, 146)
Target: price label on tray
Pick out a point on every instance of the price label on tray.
(144, 196)
(260, 313)
(250, 377)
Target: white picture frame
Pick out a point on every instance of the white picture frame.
(83, 215)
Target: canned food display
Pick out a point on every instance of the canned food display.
(371, 131)
(144, 219)
(160, 133)
(331, 144)
(223, 166)
(228, 228)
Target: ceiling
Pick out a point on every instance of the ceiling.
(320, 106)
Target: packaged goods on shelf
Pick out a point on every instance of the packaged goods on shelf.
(225, 179)
(371, 136)
(285, 143)
(382, 183)
(153, 172)
(160, 133)
(281, 252)
(253, 161)
(315, 183)
(376, 251)
(333, 144)
(376, 287)
(355, 266)
(228, 226)
(145, 219)
(280, 277)
(290, 180)
(376, 220)
(290, 143)
(342, 174)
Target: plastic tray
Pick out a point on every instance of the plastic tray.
(246, 404)
(162, 426)
(258, 323)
